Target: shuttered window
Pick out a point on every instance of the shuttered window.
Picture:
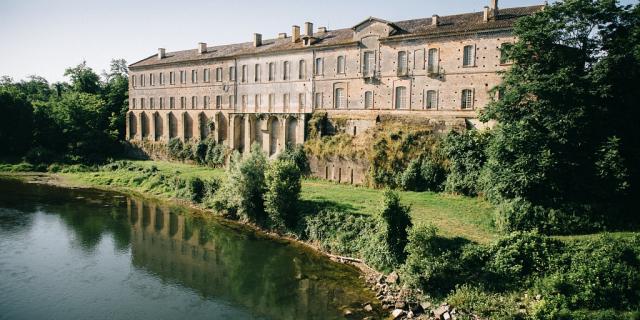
(368, 67)
(368, 100)
(431, 99)
(340, 98)
(467, 59)
(467, 99)
(402, 62)
(401, 97)
(432, 61)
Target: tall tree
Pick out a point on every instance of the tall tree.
(83, 78)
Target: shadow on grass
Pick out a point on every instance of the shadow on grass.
(314, 206)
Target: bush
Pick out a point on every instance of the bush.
(466, 154)
(412, 178)
(471, 301)
(396, 221)
(282, 180)
(338, 232)
(216, 153)
(298, 156)
(433, 174)
(175, 148)
(200, 152)
(196, 189)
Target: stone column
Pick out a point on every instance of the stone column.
(139, 125)
(247, 134)
(181, 126)
(282, 142)
(152, 129)
(300, 129)
(167, 122)
(128, 126)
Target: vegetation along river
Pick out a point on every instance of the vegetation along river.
(90, 254)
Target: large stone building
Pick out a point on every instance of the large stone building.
(438, 69)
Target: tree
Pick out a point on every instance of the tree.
(282, 193)
(565, 113)
(16, 122)
(246, 185)
(396, 222)
(115, 92)
(83, 78)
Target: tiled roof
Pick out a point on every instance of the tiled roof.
(461, 23)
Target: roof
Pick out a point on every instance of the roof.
(447, 25)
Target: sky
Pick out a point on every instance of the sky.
(44, 37)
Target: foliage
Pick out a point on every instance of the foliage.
(16, 122)
(245, 185)
(412, 178)
(395, 221)
(566, 143)
(466, 155)
(298, 155)
(282, 193)
(433, 174)
(196, 189)
(317, 124)
(338, 232)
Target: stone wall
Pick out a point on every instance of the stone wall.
(340, 170)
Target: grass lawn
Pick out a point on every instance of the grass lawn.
(455, 216)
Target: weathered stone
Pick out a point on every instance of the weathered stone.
(425, 305)
(410, 315)
(393, 277)
(347, 312)
(400, 304)
(380, 279)
(368, 308)
(438, 313)
(446, 316)
(397, 313)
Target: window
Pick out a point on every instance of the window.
(194, 76)
(302, 100)
(141, 103)
(151, 104)
(401, 97)
(133, 81)
(402, 62)
(172, 102)
(285, 70)
(161, 103)
(272, 101)
(368, 63)
(302, 69)
(218, 102)
(183, 102)
(207, 101)
(431, 99)
(318, 100)
(368, 100)
(245, 73)
(339, 99)
(272, 71)
(504, 53)
(207, 75)
(232, 73)
(219, 74)
(340, 65)
(133, 103)
(467, 58)
(244, 102)
(466, 99)
(319, 66)
(161, 78)
(172, 77)
(256, 102)
(257, 73)
(142, 80)
(183, 76)
(432, 61)
(152, 79)
(285, 102)
(232, 101)
(194, 102)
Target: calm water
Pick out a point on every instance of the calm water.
(88, 254)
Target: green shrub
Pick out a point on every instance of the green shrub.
(466, 155)
(200, 152)
(196, 189)
(396, 221)
(412, 178)
(338, 232)
(473, 301)
(39, 155)
(433, 174)
(282, 180)
(298, 155)
(216, 153)
(175, 148)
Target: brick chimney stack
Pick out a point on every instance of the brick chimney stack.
(257, 39)
(161, 53)
(295, 34)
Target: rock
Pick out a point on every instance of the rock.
(538, 297)
(438, 313)
(400, 304)
(397, 313)
(425, 305)
(368, 308)
(347, 312)
(446, 316)
(410, 315)
(393, 277)
(380, 278)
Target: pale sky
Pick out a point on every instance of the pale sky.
(43, 37)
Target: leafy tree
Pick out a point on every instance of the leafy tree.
(16, 122)
(566, 141)
(466, 154)
(246, 184)
(282, 193)
(83, 78)
(395, 222)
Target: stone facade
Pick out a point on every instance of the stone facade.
(438, 69)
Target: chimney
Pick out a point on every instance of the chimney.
(494, 8)
(282, 35)
(161, 53)
(308, 29)
(202, 47)
(295, 34)
(322, 29)
(485, 16)
(435, 20)
(257, 39)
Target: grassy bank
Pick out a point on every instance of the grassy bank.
(455, 216)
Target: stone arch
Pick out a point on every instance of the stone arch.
(173, 125)
(187, 126)
(238, 133)
(133, 125)
(221, 124)
(274, 135)
(203, 125)
(158, 126)
(292, 130)
(253, 131)
(144, 125)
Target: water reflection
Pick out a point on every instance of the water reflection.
(224, 269)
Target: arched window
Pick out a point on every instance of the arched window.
(340, 99)
(368, 100)
(466, 99)
(340, 66)
(401, 97)
(402, 62)
(302, 69)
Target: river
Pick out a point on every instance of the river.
(92, 254)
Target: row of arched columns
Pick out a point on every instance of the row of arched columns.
(236, 130)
